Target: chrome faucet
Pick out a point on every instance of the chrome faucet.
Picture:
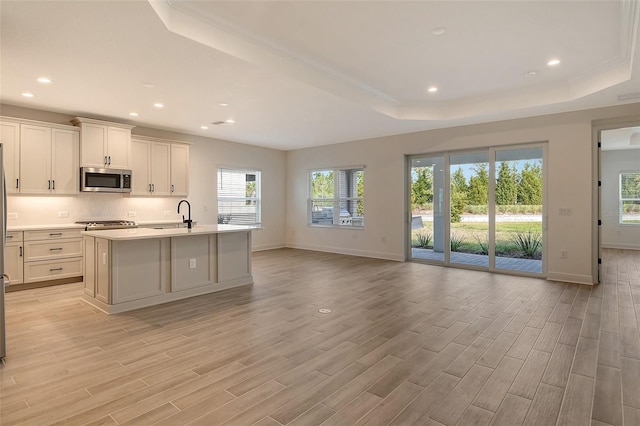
(187, 221)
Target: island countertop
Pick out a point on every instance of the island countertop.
(147, 233)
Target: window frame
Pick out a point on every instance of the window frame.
(257, 199)
(336, 201)
(622, 199)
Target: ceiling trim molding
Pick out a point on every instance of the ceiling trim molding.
(223, 36)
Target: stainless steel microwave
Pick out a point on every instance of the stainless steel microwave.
(104, 180)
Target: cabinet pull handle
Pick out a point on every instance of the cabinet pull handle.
(17, 183)
(49, 183)
(153, 187)
(54, 184)
(55, 234)
(173, 189)
(109, 163)
(105, 160)
(55, 249)
(9, 237)
(149, 187)
(20, 251)
(55, 269)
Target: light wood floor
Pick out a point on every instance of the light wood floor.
(405, 343)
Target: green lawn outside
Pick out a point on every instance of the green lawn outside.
(472, 237)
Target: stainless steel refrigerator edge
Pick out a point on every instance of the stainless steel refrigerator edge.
(3, 229)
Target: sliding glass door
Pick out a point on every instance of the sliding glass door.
(480, 209)
(469, 220)
(428, 209)
(518, 209)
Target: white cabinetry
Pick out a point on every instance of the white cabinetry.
(151, 163)
(48, 160)
(179, 170)
(10, 139)
(104, 144)
(159, 167)
(13, 258)
(52, 254)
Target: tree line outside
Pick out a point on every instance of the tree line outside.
(516, 191)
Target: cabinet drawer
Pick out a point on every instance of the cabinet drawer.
(46, 250)
(52, 234)
(52, 270)
(14, 237)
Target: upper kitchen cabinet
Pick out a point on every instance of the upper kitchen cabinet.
(10, 140)
(179, 170)
(159, 167)
(104, 144)
(49, 162)
(151, 163)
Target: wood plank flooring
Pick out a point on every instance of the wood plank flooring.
(404, 344)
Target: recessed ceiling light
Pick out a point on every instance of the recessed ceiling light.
(438, 31)
(230, 121)
(133, 114)
(553, 62)
(531, 73)
(44, 80)
(149, 85)
(223, 104)
(204, 127)
(27, 95)
(432, 89)
(158, 105)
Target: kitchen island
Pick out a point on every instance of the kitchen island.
(126, 269)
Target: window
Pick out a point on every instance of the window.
(630, 198)
(239, 197)
(336, 197)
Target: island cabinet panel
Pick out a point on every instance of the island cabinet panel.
(139, 268)
(234, 256)
(103, 270)
(193, 262)
(89, 244)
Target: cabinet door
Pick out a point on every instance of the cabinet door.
(140, 167)
(35, 159)
(160, 168)
(65, 163)
(10, 139)
(93, 144)
(118, 148)
(179, 170)
(13, 262)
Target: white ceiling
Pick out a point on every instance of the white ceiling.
(307, 73)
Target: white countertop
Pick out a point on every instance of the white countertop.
(41, 227)
(146, 233)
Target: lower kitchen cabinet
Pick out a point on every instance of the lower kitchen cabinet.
(51, 254)
(13, 258)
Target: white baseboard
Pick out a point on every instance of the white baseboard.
(268, 247)
(622, 246)
(351, 252)
(570, 278)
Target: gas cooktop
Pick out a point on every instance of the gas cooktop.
(94, 225)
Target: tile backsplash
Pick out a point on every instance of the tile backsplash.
(35, 210)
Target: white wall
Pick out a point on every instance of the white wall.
(569, 175)
(205, 156)
(613, 234)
